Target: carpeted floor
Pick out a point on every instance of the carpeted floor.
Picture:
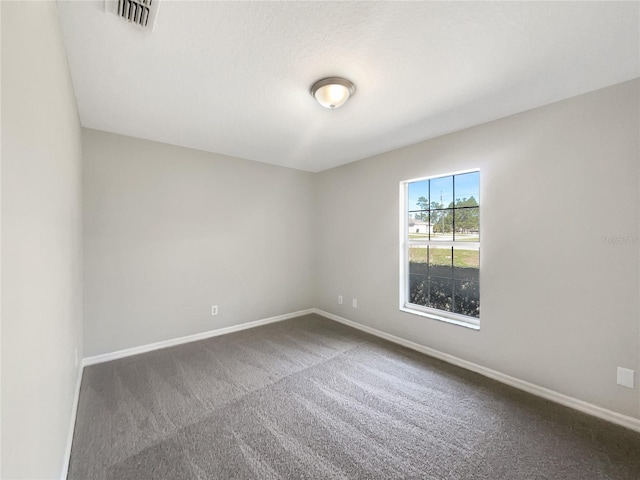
(309, 398)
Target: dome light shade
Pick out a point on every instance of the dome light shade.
(332, 92)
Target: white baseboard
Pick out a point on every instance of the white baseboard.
(603, 413)
(72, 424)
(106, 357)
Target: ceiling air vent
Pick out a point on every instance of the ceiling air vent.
(141, 13)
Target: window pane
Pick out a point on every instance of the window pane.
(440, 293)
(418, 289)
(442, 192)
(418, 271)
(467, 189)
(418, 195)
(467, 224)
(467, 298)
(466, 263)
(442, 225)
(440, 257)
(418, 260)
(419, 226)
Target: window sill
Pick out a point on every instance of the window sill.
(441, 317)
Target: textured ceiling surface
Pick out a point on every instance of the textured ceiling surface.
(234, 77)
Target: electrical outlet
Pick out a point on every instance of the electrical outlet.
(354, 303)
(339, 299)
(625, 377)
(214, 309)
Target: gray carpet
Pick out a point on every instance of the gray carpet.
(310, 398)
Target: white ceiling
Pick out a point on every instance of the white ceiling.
(233, 77)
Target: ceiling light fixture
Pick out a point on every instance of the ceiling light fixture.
(332, 92)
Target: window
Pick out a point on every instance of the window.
(440, 258)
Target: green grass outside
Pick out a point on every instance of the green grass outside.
(459, 237)
(442, 256)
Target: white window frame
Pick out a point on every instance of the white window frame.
(405, 242)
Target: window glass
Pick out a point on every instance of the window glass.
(442, 242)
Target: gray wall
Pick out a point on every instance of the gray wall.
(41, 242)
(170, 231)
(560, 307)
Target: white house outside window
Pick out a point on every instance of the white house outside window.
(440, 258)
